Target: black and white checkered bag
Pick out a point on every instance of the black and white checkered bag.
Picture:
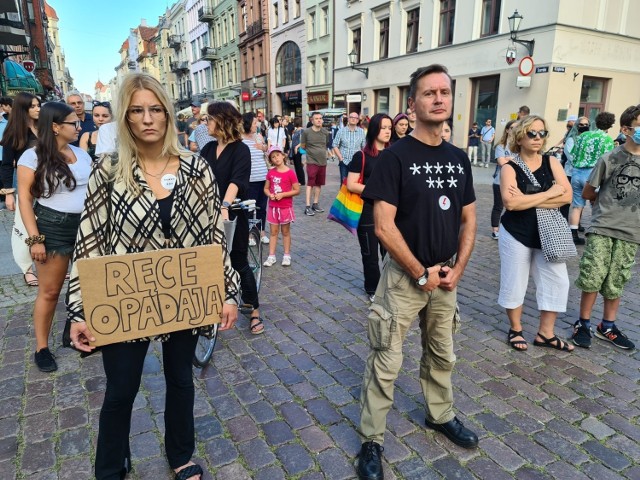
(555, 234)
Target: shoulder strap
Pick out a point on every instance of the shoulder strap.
(362, 169)
(525, 169)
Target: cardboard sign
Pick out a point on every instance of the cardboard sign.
(126, 297)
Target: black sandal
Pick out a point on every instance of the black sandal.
(189, 472)
(513, 334)
(252, 328)
(553, 342)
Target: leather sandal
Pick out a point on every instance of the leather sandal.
(189, 472)
(553, 342)
(514, 344)
(256, 328)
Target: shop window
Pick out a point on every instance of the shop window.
(592, 97)
(288, 65)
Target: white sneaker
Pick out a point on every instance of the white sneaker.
(265, 240)
(252, 242)
(286, 261)
(270, 261)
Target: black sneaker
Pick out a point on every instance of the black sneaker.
(308, 211)
(45, 361)
(614, 336)
(316, 208)
(581, 335)
(370, 462)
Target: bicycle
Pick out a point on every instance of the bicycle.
(205, 345)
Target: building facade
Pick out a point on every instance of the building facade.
(255, 56)
(576, 65)
(198, 38)
(289, 52)
(61, 78)
(319, 65)
(223, 53)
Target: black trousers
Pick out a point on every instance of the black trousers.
(123, 364)
(369, 247)
(297, 165)
(256, 192)
(496, 211)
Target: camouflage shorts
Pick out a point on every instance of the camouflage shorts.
(605, 265)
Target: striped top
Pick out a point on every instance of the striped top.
(258, 164)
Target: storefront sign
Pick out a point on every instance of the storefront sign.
(246, 96)
(126, 297)
(354, 98)
(318, 97)
(294, 96)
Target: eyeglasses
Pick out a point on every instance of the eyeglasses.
(101, 104)
(77, 124)
(533, 134)
(624, 179)
(204, 119)
(156, 112)
(354, 116)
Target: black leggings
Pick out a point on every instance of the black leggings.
(297, 165)
(369, 247)
(496, 211)
(123, 364)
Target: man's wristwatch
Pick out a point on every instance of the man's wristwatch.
(226, 205)
(422, 280)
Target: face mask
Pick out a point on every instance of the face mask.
(583, 129)
(636, 136)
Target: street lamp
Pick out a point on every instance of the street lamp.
(514, 26)
(353, 56)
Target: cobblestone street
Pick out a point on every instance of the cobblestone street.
(284, 405)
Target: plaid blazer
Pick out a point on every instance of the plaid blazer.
(116, 221)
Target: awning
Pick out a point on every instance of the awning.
(18, 79)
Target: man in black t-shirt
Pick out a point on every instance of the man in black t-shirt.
(425, 216)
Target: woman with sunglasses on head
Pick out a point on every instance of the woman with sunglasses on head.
(377, 139)
(150, 195)
(230, 160)
(20, 134)
(519, 239)
(503, 155)
(102, 115)
(400, 127)
(54, 174)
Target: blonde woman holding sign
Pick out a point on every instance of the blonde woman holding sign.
(149, 196)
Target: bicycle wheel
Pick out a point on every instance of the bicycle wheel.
(254, 256)
(204, 348)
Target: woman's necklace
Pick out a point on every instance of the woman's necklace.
(168, 181)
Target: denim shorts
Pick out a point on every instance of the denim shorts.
(59, 229)
(579, 178)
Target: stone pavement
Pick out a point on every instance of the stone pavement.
(285, 404)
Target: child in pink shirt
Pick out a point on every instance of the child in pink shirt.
(280, 187)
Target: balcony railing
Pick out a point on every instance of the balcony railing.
(209, 53)
(175, 41)
(255, 28)
(205, 14)
(179, 67)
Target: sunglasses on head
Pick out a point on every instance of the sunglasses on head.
(101, 104)
(533, 133)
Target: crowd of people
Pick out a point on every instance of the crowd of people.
(136, 178)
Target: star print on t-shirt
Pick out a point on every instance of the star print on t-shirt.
(446, 173)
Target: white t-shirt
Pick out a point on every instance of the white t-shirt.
(106, 138)
(63, 199)
(277, 136)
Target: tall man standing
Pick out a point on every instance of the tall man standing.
(347, 142)
(487, 134)
(75, 101)
(314, 140)
(425, 216)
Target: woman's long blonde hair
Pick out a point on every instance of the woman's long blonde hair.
(127, 150)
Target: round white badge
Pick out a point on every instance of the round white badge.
(168, 181)
(444, 202)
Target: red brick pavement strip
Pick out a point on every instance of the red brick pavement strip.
(284, 404)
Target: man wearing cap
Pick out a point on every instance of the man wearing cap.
(195, 114)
